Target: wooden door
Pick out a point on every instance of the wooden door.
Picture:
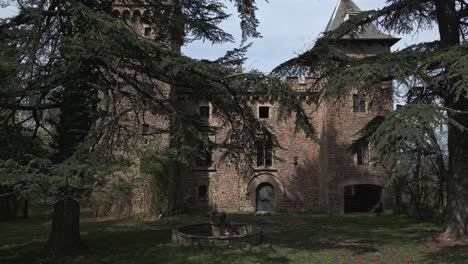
(265, 198)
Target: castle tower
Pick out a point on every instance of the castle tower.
(138, 13)
(350, 181)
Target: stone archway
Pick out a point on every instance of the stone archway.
(267, 188)
(373, 188)
(363, 198)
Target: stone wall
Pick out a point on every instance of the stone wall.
(309, 175)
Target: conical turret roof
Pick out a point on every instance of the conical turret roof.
(346, 8)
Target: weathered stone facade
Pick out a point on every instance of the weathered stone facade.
(307, 174)
(312, 175)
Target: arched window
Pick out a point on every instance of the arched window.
(116, 13)
(136, 15)
(126, 14)
(146, 16)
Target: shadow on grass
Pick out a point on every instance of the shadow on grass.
(360, 235)
(287, 238)
(452, 254)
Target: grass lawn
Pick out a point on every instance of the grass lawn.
(288, 238)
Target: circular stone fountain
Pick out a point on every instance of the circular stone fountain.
(217, 233)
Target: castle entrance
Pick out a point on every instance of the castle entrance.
(363, 198)
(265, 198)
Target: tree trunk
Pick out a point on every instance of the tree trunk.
(457, 182)
(456, 220)
(65, 232)
(26, 209)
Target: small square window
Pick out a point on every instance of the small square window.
(202, 192)
(264, 112)
(204, 111)
(147, 31)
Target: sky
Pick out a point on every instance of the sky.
(288, 27)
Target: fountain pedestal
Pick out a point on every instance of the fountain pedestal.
(218, 223)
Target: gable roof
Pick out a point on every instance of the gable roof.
(370, 31)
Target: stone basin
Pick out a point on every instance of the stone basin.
(200, 235)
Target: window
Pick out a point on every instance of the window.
(359, 103)
(126, 14)
(147, 31)
(116, 12)
(350, 15)
(145, 129)
(204, 158)
(264, 112)
(264, 154)
(202, 192)
(204, 111)
(362, 155)
(136, 15)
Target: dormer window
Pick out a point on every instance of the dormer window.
(350, 15)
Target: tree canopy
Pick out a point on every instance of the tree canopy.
(77, 78)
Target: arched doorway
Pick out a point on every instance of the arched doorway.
(363, 198)
(265, 198)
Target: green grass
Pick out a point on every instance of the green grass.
(288, 238)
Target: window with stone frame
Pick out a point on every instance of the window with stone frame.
(204, 157)
(263, 112)
(145, 129)
(145, 133)
(204, 111)
(147, 31)
(264, 153)
(362, 155)
(359, 103)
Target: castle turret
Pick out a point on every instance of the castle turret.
(367, 40)
(350, 180)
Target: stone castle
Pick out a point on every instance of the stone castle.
(322, 175)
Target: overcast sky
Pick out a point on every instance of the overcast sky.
(288, 28)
